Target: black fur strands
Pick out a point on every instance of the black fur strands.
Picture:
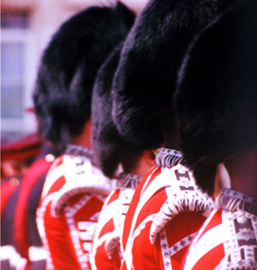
(62, 95)
(216, 98)
(152, 54)
(109, 147)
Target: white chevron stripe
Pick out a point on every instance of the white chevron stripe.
(51, 178)
(160, 181)
(206, 243)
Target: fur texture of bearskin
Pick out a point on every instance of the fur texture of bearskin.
(62, 95)
(216, 98)
(152, 54)
(110, 148)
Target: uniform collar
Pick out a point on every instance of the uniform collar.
(128, 180)
(166, 157)
(76, 150)
(231, 200)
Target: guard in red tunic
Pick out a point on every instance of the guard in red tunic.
(16, 157)
(67, 215)
(218, 113)
(26, 237)
(75, 188)
(19, 200)
(110, 151)
(156, 233)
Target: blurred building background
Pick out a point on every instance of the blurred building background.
(26, 28)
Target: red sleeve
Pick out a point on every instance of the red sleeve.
(34, 172)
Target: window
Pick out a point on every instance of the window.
(15, 78)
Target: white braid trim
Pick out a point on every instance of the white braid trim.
(183, 195)
(231, 200)
(63, 195)
(112, 243)
(168, 157)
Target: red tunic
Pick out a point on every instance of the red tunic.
(166, 211)
(228, 238)
(72, 197)
(21, 216)
(20, 221)
(106, 245)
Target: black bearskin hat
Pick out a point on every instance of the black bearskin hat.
(153, 51)
(62, 94)
(216, 98)
(110, 148)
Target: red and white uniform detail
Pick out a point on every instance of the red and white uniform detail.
(228, 238)
(106, 252)
(72, 197)
(166, 211)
